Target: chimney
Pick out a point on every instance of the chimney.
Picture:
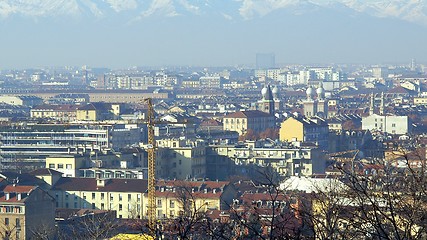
(101, 182)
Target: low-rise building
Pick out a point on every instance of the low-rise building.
(243, 121)
(181, 158)
(312, 130)
(64, 113)
(25, 211)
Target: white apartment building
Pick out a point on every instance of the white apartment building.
(389, 124)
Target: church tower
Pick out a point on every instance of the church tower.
(322, 102)
(276, 98)
(266, 104)
(310, 105)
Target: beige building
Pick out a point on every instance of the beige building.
(181, 158)
(176, 198)
(25, 210)
(129, 199)
(68, 165)
(286, 160)
(125, 196)
(58, 112)
(242, 121)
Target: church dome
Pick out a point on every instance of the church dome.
(309, 92)
(320, 92)
(275, 90)
(264, 92)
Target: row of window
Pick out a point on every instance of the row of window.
(102, 196)
(11, 209)
(60, 166)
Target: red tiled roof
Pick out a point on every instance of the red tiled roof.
(18, 189)
(248, 114)
(211, 122)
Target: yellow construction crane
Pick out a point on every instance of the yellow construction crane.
(151, 168)
(151, 149)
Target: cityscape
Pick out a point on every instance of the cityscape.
(263, 142)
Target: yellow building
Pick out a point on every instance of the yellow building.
(242, 121)
(125, 196)
(66, 164)
(176, 198)
(129, 199)
(24, 210)
(57, 112)
(88, 113)
(420, 100)
(314, 130)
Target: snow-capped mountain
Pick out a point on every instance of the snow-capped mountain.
(407, 10)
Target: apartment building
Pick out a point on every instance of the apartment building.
(181, 158)
(242, 121)
(314, 130)
(286, 160)
(25, 210)
(125, 196)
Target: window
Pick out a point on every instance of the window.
(111, 197)
(18, 223)
(51, 165)
(68, 166)
(172, 204)
(120, 197)
(93, 205)
(102, 206)
(120, 207)
(102, 196)
(93, 196)
(393, 125)
(129, 197)
(159, 202)
(6, 221)
(60, 166)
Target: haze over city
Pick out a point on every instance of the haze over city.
(119, 34)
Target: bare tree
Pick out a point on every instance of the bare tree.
(90, 226)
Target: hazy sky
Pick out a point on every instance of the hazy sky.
(123, 33)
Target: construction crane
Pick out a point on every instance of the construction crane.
(151, 149)
(151, 168)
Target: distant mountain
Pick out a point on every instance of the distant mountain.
(414, 11)
(119, 33)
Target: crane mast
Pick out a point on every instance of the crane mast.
(151, 169)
